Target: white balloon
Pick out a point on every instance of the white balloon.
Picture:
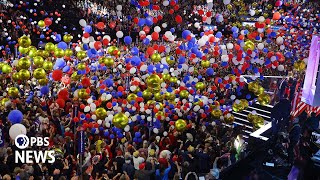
(164, 25)
(279, 40)
(157, 29)
(155, 130)
(133, 70)
(119, 7)
(17, 129)
(82, 22)
(85, 40)
(107, 37)
(119, 34)
(94, 117)
(127, 128)
(226, 2)
(260, 46)
(168, 34)
(87, 109)
(99, 121)
(229, 46)
(232, 97)
(252, 12)
(165, 133)
(165, 3)
(201, 42)
(196, 25)
(261, 19)
(280, 67)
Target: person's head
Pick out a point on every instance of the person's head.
(6, 177)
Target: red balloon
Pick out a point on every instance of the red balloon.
(150, 50)
(61, 103)
(105, 42)
(57, 75)
(201, 12)
(155, 36)
(156, 7)
(100, 25)
(178, 19)
(136, 20)
(97, 45)
(63, 94)
(171, 11)
(47, 21)
(112, 25)
(146, 29)
(86, 35)
(161, 49)
(86, 82)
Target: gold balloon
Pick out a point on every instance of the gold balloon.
(68, 52)
(102, 60)
(200, 86)
(217, 113)
(160, 105)
(81, 66)
(75, 76)
(166, 77)
(132, 97)
(82, 94)
(245, 103)
(59, 53)
(237, 107)
(173, 79)
(255, 4)
(39, 73)
(153, 81)
(101, 113)
(24, 63)
(6, 69)
(259, 91)
(251, 117)
(32, 52)
(265, 15)
(155, 57)
(81, 55)
(24, 74)
(151, 102)
(258, 122)
(155, 89)
(16, 76)
(184, 94)
(109, 62)
(158, 96)
(67, 38)
(49, 47)
(47, 65)
(180, 125)
(160, 114)
(13, 92)
(38, 61)
(248, 45)
(43, 82)
(1, 65)
(24, 41)
(253, 86)
(269, 6)
(215, 105)
(229, 7)
(205, 64)
(228, 118)
(120, 120)
(146, 94)
(299, 65)
(23, 50)
(170, 60)
(41, 24)
(3, 101)
(264, 99)
(111, 49)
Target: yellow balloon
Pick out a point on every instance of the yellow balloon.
(38, 61)
(59, 53)
(251, 117)
(43, 82)
(200, 86)
(4, 100)
(253, 86)
(81, 66)
(15, 76)
(158, 96)
(180, 125)
(68, 52)
(245, 103)
(42, 53)
(81, 55)
(101, 113)
(82, 94)
(41, 24)
(184, 94)
(67, 38)
(170, 60)
(32, 52)
(217, 113)
(205, 64)
(23, 50)
(13, 92)
(49, 47)
(258, 122)
(237, 107)
(299, 65)
(153, 81)
(155, 89)
(264, 99)
(132, 97)
(39, 73)
(269, 6)
(255, 4)
(228, 118)
(120, 120)
(166, 77)
(47, 65)
(156, 57)
(173, 79)
(6, 69)
(160, 105)
(75, 76)
(24, 74)
(24, 41)
(109, 62)
(24, 63)
(111, 49)
(259, 91)
(248, 45)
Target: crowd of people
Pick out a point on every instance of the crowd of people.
(197, 80)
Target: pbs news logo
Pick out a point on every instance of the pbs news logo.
(29, 156)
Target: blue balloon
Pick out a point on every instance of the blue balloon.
(185, 34)
(135, 51)
(58, 38)
(62, 45)
(111, 136)
(66, 69)
(45, 90)
(141, 22)
(182, 60)
(219, 34)
(15, 116)
(127, 40)
(146, 41)
(88, 29)
(210, 71)
(149, 21)
(135, 61)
